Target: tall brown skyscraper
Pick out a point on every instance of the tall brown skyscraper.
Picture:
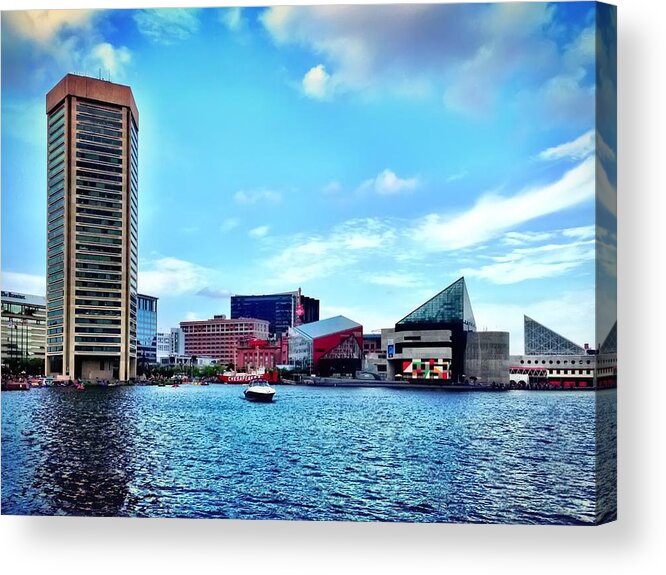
(92, 240)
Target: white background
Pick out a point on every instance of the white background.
(632, 544)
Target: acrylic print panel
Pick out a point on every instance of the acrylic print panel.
(343, 263)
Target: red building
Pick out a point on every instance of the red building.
(257, 355)
(220, 338)
(333, 345)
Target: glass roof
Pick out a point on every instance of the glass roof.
(451, 305)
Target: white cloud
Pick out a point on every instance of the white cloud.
(42, 26)
(493, 214)
(607, 252)
(317, 83)
(170, 276)
(394, 279)
(566, 98)
(24, 283)
(606, 191)
(261, 195)
(387, 183)
(168, 25)
(305, 258)
(232, 18)
(110, 59)
(577, 149)
(539, 262)
(70, 41)
(258, 232)
(332, 188)
(606, 153)
(582, 50)
(469, 52)
(229, 224)
(522, 238)
(581, 232)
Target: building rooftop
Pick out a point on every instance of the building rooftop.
(540, 340)
(327, 326)
(451, 305)
(92, 89)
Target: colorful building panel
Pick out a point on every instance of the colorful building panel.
(429, 368)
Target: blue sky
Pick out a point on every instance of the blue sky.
(370, 155)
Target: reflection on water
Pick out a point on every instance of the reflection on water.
(320, 454)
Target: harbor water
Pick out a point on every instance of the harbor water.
(313, 454)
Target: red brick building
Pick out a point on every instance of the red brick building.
(258, 354)
(220, 338)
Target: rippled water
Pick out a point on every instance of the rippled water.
(315, 453)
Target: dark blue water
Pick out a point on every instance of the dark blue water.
(315, 453)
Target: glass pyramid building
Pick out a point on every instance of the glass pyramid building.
(539, 340)
(451, 306)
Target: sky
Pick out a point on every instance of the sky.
(369, 155)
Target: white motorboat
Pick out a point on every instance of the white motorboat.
(259, 390)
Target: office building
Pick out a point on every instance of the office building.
(281, 310)
(170, 345)
(146, 329)
(23, 327)
(163, 347)
(220, 337)
(177, 341)
(92, 206)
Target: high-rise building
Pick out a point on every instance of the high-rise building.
(146, 329)
(23, 327)
(279, 310)
(92, 241)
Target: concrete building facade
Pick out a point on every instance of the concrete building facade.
(418, 354)
(487, 356)
(92, 229)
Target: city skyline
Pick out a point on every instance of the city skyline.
(306, 161)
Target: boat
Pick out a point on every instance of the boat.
(15, 386)
(234, 377)
(259, 390)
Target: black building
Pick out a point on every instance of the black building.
(278, 309)
(451, 310)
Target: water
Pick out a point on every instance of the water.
(315, 453)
